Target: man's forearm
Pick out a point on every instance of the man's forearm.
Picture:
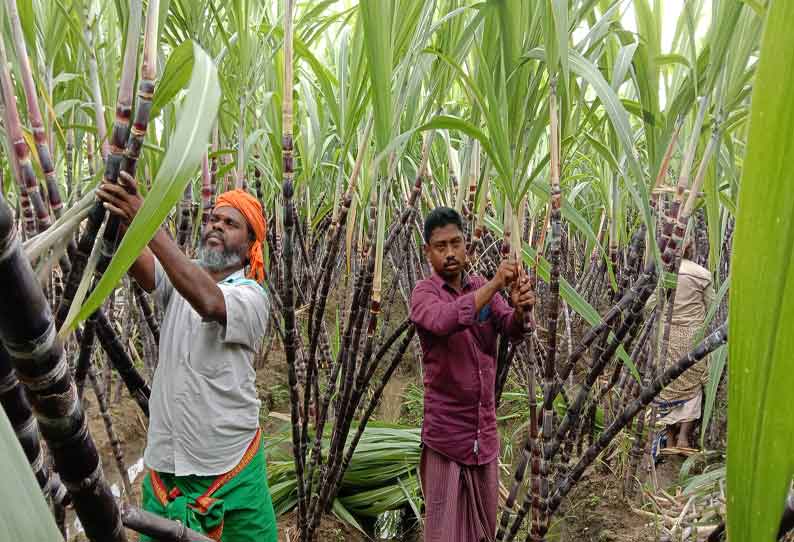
(190, 280)
(484, 295)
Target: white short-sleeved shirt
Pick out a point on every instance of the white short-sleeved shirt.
(204, 408)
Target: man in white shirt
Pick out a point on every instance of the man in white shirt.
(204, 446)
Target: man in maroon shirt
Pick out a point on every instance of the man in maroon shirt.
(458, 317)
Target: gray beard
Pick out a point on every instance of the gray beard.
(214, 261)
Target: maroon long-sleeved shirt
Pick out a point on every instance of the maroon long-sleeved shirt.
(459, 350)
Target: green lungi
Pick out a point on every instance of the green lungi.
(233, 507)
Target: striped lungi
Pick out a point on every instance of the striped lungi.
(460, 500)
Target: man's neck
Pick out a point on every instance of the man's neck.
(456, 282)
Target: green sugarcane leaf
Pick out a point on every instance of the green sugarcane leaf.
(344, 514)
(176, 75)
(760, 432)
(376, 18)
(24, 514)
(194, 122)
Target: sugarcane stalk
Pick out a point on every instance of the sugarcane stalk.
(206, 188)
(119, 137)
(186, 212)
(146, 310)
(287, 296)
(84, 357)
(25, 208)
(132, 142)
(115, 445)
(320, 294)
(34, 113)
(375, 400)
(20, 146)
(553, 311)
(647, 395)
(120, 360)
(17, 408)
(530, 453)
(157, 527)
(28, 334)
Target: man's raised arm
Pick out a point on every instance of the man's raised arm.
(444, 318)
(191, 281)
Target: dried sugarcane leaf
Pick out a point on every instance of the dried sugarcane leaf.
(760, 427)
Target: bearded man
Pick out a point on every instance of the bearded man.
(204, 452)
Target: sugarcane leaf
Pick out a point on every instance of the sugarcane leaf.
(716, 367)
(194, 122)
(24, 514)
(761, 348)
(176, 75)
(376, 18)
(342, 513)
(620, 122)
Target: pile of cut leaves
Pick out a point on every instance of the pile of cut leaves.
(382, 476)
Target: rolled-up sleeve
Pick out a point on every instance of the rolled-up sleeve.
(438, 317)
(247, 314)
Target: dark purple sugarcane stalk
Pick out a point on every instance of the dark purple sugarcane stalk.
(206, 188)
(366, 372)
(342, 362)
(186, 212)
(597, 368)
(290, 331)
(119, 137)
(553, 311)
(683, 181)
(640, 354)
(17, 408)
(83, 364)
(36, 353)
(26, 211)
(34, 113)
(133, 143)
(349, 380)
(115, 444)
(375, 400)
(530, 456)
(157, 527)
(20, 146)
(716, 339)
(120, 360)
(146, 310)
(320, 294)
(572, 415)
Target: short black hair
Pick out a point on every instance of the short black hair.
(440, 217)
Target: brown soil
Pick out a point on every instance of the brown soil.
(331, 530)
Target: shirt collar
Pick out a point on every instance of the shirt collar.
(465, 282)
(239, 274)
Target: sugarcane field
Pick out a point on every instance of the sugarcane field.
(396, 270)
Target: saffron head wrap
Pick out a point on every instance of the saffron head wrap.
(251, 209)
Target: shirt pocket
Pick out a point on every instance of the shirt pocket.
(205, 350)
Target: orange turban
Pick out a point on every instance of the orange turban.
(251, 209)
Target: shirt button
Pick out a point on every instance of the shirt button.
(478, 431)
